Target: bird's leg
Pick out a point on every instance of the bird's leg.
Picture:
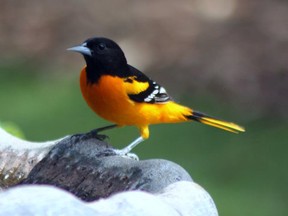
(125, 151)
(94, 133)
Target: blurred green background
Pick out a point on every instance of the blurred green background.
(227, 58)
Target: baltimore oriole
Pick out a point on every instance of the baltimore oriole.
(120, 93)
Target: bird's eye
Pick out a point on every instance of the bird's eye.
(101, 46)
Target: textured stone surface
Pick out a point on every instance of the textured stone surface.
(18, 157)
(89, 168)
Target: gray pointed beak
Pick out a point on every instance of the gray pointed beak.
(81, 49)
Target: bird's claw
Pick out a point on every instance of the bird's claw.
(125, 154)
(91, 134)
(94, 134)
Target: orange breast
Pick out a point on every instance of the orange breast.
(109, 99)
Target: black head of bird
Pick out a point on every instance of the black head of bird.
(102, 54)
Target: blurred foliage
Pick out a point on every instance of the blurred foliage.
(12, 128)
(227, 58)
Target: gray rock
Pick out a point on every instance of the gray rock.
(18, 157)
(89, 168)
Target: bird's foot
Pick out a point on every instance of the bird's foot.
(94, 134)
(91, 134)
(126, 154)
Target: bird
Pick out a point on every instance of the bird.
(123, 95)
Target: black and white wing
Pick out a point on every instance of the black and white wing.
(153, 93)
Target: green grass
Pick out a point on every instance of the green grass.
(245, 174)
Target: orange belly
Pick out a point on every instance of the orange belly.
(108, 98)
